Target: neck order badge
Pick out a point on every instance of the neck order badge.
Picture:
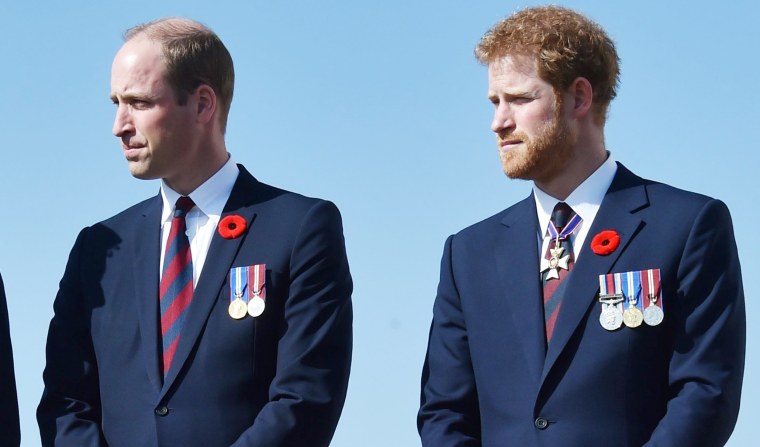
(554, 266)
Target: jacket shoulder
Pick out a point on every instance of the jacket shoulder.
(524, 209)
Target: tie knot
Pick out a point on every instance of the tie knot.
(184, 204)
(561, 214)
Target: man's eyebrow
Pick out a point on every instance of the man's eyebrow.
(514, 94)
(130, 96)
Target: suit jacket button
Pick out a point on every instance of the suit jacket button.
(162, 410)
(541, 423)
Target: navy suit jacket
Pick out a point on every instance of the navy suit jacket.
(276, 380)
(489, 380)
(10, 434)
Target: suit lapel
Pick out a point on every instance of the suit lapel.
(146, 247)
(625, 195)
(519, 280)
(219, 260)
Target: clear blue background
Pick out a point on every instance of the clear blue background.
(380, 107)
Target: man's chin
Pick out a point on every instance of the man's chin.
(141, 174)
(517, 171)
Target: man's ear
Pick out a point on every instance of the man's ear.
(582, 95)
(205, 103)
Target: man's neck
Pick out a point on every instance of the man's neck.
(580, 167)
(200, 172)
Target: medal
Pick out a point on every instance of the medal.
(611, 317)
(632, 316)
(256, 306)
(237, 308)
(238, 284)
(257, 299)
(653, 313)
(556, 261)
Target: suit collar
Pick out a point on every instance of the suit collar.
(626, 195)
(210, 197)
(242, 200)
(585, 200)
(146, 253)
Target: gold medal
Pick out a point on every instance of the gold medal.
(237, 308)
(238, 284)
(632, 317)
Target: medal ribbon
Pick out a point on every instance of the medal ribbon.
(256, 275)
(567, 230)
(238, 283)
(652, 286)
(602, 285)
(633, 281)
(610, 286)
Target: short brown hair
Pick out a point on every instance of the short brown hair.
(565, 44)
(194, 55)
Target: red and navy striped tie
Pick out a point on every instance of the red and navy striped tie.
(176, 290)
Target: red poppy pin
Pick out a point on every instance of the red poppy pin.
(605, 242)
(232, 226)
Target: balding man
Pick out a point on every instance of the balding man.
(216, 313)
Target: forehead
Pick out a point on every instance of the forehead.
(138, 65)
(515, 71)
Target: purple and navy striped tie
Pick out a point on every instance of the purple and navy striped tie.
(176, 289)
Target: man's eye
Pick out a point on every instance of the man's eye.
(520, 100)
(139, 104)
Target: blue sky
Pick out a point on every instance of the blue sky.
(380, 107)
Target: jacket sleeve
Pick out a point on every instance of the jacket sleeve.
(10, 434)
(707, 365)
(69, 413)
(314, 352)
(449, 413)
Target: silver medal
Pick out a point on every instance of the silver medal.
(256, 306)
(653, 315)
(556, 261)
(611, 317)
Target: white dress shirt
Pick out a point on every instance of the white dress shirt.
(584, 200)
(202, 220)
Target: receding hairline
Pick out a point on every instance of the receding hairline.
(163, 28)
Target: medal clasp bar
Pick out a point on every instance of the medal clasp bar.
(611, 298)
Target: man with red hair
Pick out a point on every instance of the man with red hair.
(604, 309)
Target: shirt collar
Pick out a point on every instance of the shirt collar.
(209, 198)
(584, 200)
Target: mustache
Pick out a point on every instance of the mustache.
(511, 136)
